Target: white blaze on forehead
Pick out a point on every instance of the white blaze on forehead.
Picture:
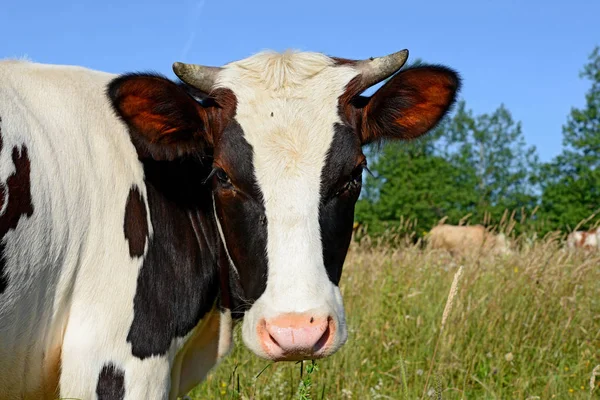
(287, 106)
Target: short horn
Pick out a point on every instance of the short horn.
(199, 76)
(374, 70)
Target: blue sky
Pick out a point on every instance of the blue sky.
(526, 54)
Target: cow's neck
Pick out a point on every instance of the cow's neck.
(178, 282)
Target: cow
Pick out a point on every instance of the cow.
(141, 217)
(586, 240)
(465, 240)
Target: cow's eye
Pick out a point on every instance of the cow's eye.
(354, 182)
(223, 178)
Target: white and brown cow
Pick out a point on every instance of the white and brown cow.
(586, 240)
(139, 216)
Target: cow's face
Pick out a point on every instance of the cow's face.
(285, 132)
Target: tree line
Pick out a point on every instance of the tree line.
(479, 169)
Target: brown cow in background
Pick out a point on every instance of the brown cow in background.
(467, 240)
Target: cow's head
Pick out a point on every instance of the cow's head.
(285, 134)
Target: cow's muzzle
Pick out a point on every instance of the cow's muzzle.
(296, 336)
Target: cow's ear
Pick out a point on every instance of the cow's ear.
(408, 105)
(165, 122)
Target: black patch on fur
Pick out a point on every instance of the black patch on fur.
(196, 93)
(3, 277)
(20, 204)
(135, 225)
(336, 209)
(111, 383)
(178, 282)
(241, 213)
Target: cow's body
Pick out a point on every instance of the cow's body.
(72, 274)
(587, 240)
(138, 215)
(466, 240)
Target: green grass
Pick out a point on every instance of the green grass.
(521, 326)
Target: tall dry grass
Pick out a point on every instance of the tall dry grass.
(520, 326)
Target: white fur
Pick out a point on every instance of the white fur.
(301, 91)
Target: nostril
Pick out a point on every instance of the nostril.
(323, 339)
(312, 319)
(273, 340)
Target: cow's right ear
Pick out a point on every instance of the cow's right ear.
(165, 122)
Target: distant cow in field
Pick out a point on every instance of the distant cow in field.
(588, 240)
(466, 239)
(140, 217)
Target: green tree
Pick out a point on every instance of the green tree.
(411, 181)
(571, 182)
(468, 165)
(493, 147)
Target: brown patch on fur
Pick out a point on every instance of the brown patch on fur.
(582, 239)
(435, 93)
(37, 394)
(51, 379)
(223, 262)
(222, 105)
(349, 110)
(135, 225)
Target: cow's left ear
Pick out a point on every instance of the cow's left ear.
(165, 122)
(408, 105)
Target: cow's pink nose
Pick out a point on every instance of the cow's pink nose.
(296, 336)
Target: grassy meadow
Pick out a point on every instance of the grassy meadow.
(522, 326)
